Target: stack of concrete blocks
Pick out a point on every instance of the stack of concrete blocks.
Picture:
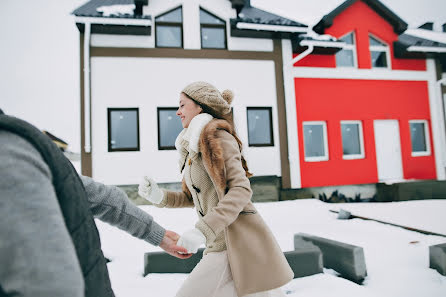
(437, 258)
(346, 259)
(161, 262)
(306, 259)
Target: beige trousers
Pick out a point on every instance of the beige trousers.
(212, 277)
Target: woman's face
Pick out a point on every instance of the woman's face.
(188, 110)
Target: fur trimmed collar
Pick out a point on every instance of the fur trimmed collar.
(191, 134)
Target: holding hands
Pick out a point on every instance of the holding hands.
(149, 190)
(170, 245)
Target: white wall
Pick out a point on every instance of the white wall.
(147, 83)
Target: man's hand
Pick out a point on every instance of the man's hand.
(169, 244)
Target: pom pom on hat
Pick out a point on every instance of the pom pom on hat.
(206, 94)
(228, 95)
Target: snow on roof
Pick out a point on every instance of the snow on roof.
(116, 10)
(427, 34)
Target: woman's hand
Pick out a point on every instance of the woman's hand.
(192, 240)
(149, 190)
(169, 244)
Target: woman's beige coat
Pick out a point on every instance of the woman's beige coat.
(256, 260)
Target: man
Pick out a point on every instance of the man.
(49, 244)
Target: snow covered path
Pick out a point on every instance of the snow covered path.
(397, 260)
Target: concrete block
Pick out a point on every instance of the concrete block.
(348, 260)
(437, 258)
(161, 262)
(305, 260)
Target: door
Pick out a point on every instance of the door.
(388, 150)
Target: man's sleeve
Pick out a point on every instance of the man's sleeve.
(111, 205)
(37, 255)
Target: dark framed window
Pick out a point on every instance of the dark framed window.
(347, 56)
(169, 126)
(419, 135)
(315, 141)
(379, 53)
(123, 129)
(213, 31)
(169, 28)
(260, 126)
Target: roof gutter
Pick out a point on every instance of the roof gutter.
(302, 55)
(276, 28)
(114, 21)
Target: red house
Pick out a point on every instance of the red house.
(359, 114)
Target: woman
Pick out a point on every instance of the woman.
(242, 257)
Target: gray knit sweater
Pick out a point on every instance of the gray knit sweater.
(37, 256)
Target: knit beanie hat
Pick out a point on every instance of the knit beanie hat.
(206, 94)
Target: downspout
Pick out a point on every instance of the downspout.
(438, 87)
(87, 103)
(302, 55)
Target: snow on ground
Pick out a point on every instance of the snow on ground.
(397, 259)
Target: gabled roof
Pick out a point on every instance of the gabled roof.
(399, 26)
(89, 9)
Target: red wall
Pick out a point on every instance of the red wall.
(333, 100)
(362, 19)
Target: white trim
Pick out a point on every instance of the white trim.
(380, 48)
(319, 43)
(351, 47)
(361, 142)
(291, 116)
(276, 28)
(114, 21)
(302, 55)
(426, 138)
(353, 73)
(437, 120)
(324, 130)
(428, 49)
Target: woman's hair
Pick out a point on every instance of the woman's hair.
(228, 118)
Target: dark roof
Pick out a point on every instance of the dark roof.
(399, 26)
(406, 40)
(254, 15)
(54, 138)
(322, 46)
(89, 9)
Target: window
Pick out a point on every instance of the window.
(260, 126)
(123, 129)
(169, 126)
(315, 141)
(379, 52)
(169, 29)
(347, 56)
(352, 140)
(213, 31)
(419, 135)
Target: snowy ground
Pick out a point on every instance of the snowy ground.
(397, 260)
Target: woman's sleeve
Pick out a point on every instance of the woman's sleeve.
(238, 190)
(173, 199)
